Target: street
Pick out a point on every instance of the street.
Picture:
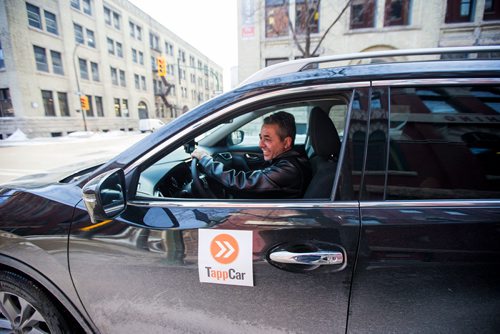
(35, 156)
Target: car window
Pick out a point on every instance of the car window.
(444, 143)
(170, 176)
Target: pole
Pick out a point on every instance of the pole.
(78, 86)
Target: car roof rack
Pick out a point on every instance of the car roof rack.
(298, 65)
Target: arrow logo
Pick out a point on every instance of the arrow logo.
(224, 248)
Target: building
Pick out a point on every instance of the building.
(52, 53)
(266, 37)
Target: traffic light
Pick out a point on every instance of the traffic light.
(162, 66)
(84, 102)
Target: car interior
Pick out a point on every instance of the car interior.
(235, 143)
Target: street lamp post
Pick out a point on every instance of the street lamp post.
(78, 86)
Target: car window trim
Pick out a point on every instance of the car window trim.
(435, 81)
(251, 203)
(430, 203)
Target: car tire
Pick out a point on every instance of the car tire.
(24, 307)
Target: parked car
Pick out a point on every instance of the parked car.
(150, 124)
(399, 231)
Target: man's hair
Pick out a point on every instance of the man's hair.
(285, 122)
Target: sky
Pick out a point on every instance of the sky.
(208, 25)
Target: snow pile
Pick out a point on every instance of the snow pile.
(18, 135)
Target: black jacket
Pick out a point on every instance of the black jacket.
(287, 176)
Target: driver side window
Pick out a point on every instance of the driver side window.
(233, 144)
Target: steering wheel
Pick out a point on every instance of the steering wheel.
(200, 186)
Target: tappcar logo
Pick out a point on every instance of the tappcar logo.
(224, 248)
(225, 257)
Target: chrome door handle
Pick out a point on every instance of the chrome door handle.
(310, 258)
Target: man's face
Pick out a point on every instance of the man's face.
(270, 142)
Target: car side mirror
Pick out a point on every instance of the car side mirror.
(104, 195)
(236, 137)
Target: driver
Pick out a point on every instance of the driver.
(288, 172)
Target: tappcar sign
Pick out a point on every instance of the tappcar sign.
(225, 257)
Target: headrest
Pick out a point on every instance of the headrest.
(323, 135)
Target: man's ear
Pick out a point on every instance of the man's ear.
(288, 142)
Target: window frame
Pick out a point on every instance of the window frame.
(274, 98)
(57, 63)
(453, 11)
(41, 60)
(367, 14)
(34, 17)
(405, 18)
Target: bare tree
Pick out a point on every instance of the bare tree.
(306, 23)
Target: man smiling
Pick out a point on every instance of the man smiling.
(287, 175)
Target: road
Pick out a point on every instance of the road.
(35, 156)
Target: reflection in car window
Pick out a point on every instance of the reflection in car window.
(445, 152)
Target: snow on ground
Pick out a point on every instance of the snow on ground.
(18, 138)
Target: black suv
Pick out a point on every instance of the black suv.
(399, 230)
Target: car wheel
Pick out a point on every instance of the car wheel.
(25, 308)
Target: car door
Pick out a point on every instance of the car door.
(429, 251)
(147, 269)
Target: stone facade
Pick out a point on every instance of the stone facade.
(31, 84)
(426, 25)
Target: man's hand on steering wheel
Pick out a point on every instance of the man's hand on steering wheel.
(201, 187)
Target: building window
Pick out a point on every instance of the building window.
(84, 72)
(63, 103)
(114, 76)
(6, 109)
(118, 110)
(139, 33)
(94, 67)
(119, 50)
(154, 41)
(397, 12)
(2, 58)
(57, 65)
(48, 103)
(143, 82)
(41, 59)
(34, 18)
(141, 58)
(272, 61)
(116, 20)
(98, 106)
(306, 16)
(107, 16)
(276, 18)
(459, 11)
(51, 23)
(123, 83)
(134, 55)
(87, 8)
(125, 108)
(78, 33)
(75, 4)
(90, 38)
(90, 112)
(136, 81)
(111, 46)
(362, 14)
(491, 10)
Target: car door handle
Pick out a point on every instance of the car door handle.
(252, 156)
(311, 258)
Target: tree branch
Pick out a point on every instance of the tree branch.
(330, 27)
